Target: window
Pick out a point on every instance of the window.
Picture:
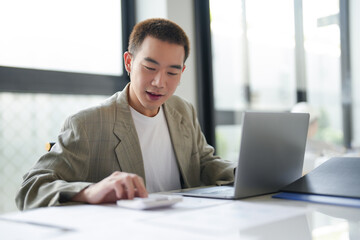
(323, 69)
(27, 122)
(355, 61)
(63, 46)
(253, 59)
(269, 55)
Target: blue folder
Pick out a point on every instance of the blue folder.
(341, 201)
(337, 181)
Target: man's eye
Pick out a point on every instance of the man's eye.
(172, 74)
(149, 68)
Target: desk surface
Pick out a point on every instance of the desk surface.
(194, 218)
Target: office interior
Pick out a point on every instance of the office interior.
(57, 57)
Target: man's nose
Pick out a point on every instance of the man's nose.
(159, 79)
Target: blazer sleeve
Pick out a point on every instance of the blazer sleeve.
(58, 175)
(214, 170)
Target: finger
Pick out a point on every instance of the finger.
(119, 189)
(140, 186)
(129, 185)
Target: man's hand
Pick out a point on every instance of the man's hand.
(119, 185)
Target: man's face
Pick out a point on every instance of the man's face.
(155, 73)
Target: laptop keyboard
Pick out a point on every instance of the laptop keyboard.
(228, 191)
(219, 191)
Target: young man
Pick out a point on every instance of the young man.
(141, 134)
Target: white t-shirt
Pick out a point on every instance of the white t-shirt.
(161, 169)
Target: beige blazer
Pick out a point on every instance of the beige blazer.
(100, 140)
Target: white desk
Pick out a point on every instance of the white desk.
(194, 218)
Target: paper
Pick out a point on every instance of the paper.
(25, 230)
(86, 216)
(226, 219)
(193, 218)
(81, 216)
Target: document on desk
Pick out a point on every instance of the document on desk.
(227, 219)
(29, 230)
(86, 216)
(193, 218)
(78, 217)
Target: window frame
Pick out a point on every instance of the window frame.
(205, 88)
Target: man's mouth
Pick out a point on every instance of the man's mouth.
(154, 96)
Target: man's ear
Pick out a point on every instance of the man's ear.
(127, 61)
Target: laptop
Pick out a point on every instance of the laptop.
(271, 156)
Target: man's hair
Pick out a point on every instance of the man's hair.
(159, 28)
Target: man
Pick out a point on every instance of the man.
(141, 134)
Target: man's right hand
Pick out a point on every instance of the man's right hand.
(119, 185)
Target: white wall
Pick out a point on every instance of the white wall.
(181, 12)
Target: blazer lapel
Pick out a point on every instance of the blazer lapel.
(128, 150)
(180, 137)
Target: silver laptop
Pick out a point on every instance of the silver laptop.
(271, 156)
